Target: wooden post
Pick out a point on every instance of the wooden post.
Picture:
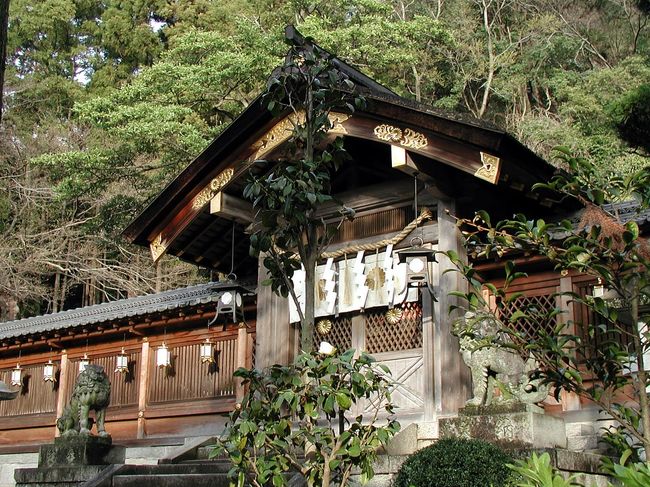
(241, 360)
(570, 401)
(358, 334)
(451, 376)
(431, 397)
(274, 335)
(143, 387)
(63, 387)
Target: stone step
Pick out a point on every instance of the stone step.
(203, 452)
(172, 480)
(582, 443)
(185, 468)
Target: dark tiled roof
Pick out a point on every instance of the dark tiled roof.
(116, 310)
(628, 211)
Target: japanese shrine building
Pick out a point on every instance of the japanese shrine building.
(461, 165)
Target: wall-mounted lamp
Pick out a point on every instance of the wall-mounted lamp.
(48, 371)
(163, 356)
(83, 363)
(122, 362)
(17, 376)
(207, 351)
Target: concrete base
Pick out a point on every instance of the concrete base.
(80, 450)
(513, 429)
(70, 461)
(56, 476)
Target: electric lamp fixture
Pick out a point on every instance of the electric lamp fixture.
(207, 351)
(48, 371)
(83, 363)
(17, 376)
(122, 362)
(163, 356)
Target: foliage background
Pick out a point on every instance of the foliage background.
(105, 101)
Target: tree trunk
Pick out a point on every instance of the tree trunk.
(4, 22)
(307, 325)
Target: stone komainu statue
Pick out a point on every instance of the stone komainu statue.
(494, 364)
(92, 391)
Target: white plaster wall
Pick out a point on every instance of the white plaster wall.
(11, 461)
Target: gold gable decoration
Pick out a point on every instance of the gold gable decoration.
(406, 138)
(216, 185)
(490, 169)
(157, 247)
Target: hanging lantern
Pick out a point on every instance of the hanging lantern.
(83, 363)
(417, 259)
(48, 371)
(122, 362)
(207, 351)
(17, 376)
(230, 307)
(163, 356)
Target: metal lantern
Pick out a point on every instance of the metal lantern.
(48, 371)
(17, 376)
(417, 259)
(163, 356)
(230, 307)
(83, 363)
(230, 304)
(122, 362)
(207, 351)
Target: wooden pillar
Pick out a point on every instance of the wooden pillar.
(274, 335)
(452, 378)
(241, 360)
(358, 341)
(63, 387)
(431, 398)
(143, 386)
(570, 400)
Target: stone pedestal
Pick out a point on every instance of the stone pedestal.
(70, 461)
(80, 450)
(509, 426)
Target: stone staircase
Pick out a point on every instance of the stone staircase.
(189, 465)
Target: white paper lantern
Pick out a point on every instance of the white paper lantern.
(48, 371)
(122, 362)
(17, 376)
(83, 363)
(163, 356)
(207, 351)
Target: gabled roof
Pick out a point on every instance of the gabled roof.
(172, 219)
(116, 310)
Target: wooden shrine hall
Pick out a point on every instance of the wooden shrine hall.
(461, 165)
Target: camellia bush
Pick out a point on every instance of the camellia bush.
(612, 372)
(297, 419)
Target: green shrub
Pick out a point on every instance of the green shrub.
(453, 462)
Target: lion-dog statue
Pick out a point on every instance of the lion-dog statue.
(91, 392)
(495, 364)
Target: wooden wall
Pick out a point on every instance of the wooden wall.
(146, 402)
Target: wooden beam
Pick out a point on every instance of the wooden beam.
(63, 387)
(231, 208)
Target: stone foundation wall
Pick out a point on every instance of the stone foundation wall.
(137, 455)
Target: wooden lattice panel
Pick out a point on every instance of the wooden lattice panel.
(340, 335)
(537, 309)
(381, 336)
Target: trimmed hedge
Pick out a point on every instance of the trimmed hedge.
(455, 462)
